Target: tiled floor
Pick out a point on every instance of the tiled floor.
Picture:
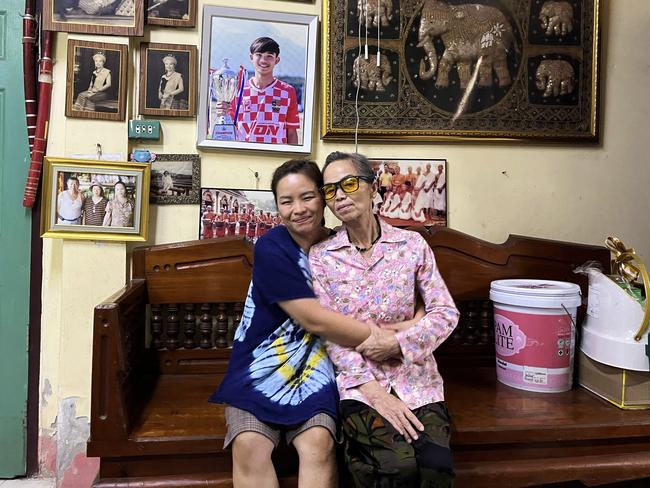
(27, 483)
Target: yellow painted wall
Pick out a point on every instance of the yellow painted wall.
(574, 193)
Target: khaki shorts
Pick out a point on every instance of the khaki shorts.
(239, 421)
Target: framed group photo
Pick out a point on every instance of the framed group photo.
(106, 17)
(411, 192)
(175, 179)
(172, 13)
(168, 80)
(257, 80)
(449, 70)
(94, 199)
(96, 76)
(236, 212)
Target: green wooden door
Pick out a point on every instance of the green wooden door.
(14, 245)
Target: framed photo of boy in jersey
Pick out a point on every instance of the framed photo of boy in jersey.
(411, 192)
(226, 212)
(256, 87)
(167, 80)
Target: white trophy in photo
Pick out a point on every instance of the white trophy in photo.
(224, 89)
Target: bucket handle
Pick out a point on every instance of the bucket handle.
(622, 264)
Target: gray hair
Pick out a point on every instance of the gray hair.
(359, 161)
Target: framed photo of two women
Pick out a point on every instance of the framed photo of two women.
(457, 69)
(94, 199)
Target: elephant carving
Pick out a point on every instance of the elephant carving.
(375, 12)
(471, 33)
(368, 76)
(556, 18)
(555, 77)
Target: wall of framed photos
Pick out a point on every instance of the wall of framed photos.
(571, 192)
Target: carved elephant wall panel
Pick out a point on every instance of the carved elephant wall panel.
(501, 67)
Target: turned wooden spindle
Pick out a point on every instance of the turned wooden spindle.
(472, 333)
(173, 327)
(457, 335)
(221, 333)
(486, 323)
(156, 327)
(205, 326)
(189, 326)
(237, 310)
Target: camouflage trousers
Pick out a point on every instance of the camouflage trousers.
(377, 456)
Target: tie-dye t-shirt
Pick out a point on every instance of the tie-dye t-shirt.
(278, 371)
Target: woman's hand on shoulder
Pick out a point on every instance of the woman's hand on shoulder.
(393, 410)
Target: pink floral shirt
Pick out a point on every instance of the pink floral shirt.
(380, 287)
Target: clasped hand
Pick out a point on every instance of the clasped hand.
(380, 345)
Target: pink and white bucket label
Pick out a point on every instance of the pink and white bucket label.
(534, 351)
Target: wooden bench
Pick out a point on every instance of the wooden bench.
(160, 349)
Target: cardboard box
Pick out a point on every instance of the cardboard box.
(629, 390)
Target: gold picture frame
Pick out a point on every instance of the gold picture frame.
(95, 199)
(537, 79)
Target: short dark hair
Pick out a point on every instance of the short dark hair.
(359, 161)
(73, 177)
(120, 182)
(265, 45)
(296, 166)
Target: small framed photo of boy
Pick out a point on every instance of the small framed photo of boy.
(94, 199)
(96, 80)
(257, 80)
(107, 17)
(168, 80)
(173, 13)
(175, 179)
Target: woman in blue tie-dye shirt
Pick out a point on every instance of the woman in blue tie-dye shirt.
(279, 379)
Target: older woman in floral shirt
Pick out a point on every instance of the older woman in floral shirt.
(392, 409)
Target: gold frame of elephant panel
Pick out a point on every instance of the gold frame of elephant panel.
(94, 210)
(532, 74)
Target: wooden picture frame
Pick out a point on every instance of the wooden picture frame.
(171, 13)
(156, 81)
(285, 123)
(415, 193)
(182, 182)
(236, 212)
(124, 18)
(95, 91)
(537, 79)
(110, 201)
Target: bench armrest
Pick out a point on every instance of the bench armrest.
(119, 360)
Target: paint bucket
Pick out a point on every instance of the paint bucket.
(534, 333)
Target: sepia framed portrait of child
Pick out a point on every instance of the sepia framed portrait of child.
(168, 75)
(96, 76)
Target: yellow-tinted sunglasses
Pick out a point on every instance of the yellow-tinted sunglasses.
(349, 184)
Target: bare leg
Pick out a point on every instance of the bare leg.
(251, 461)
(315, 448)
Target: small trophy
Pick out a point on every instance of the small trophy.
(224, 88)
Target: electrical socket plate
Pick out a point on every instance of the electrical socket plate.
(144, 129)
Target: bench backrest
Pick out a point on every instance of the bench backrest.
(196, 289)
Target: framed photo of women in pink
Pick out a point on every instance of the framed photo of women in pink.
(411, 191)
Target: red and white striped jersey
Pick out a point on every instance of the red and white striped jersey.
(265, 115)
